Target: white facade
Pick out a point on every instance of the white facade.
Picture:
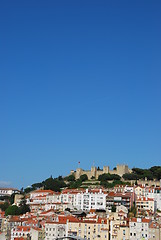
(139, 229)
(155, 193)
(91, 200)
(8, 191)
(55, 230)
(85, 200)
(20, 231)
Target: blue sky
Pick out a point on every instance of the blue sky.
(79, 81)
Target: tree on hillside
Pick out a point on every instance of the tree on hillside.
(107, 177)
(83, 177)
(4, 206)
(70, 178)
(130, 176)
(36, 185)
(12, 210)
(54, 184)
(113, 209)
(23, 207)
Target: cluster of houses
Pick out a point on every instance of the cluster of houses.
(122, 213)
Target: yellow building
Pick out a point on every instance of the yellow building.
(94, 228)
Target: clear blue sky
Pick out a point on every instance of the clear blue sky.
(79, 81)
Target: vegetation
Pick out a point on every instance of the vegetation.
(51, 183)
(14, 210)
(107, 184)
(70, 178)
(92, 178)
(83, 177)
(77, 183)
(138, 173)
(54, 184)
(133, 211)
(113, 209)
(4, 206)
(108, 177)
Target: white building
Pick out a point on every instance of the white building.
(139, 228)
(20, 231)
(85, 199)
(55, 229)
(155, 193)
(8, 191)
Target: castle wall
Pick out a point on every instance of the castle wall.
(113, 171)
(120, 170)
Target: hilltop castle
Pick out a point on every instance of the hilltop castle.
(95, 172)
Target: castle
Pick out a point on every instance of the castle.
(95, 172)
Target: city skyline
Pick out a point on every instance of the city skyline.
(80, 81)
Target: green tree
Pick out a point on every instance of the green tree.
(75, 184)
(23, 207)
(12, 198)
(37, 185)
(4, 206)
(130, 176)
(83, 178)
(92, 177)
(107, 177)
(12, 210)
(28, 189)
(70, 178)
(113, 209)
(54, 184)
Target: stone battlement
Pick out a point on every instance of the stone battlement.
(95, 172)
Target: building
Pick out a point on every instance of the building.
(85, 199)
(8, 191)
(20, 231)
(154, 231)
(118, 199)
(154, 193)
(37, 234)
(95, 172)
(144, 203)
(119, 227)
(139, 228)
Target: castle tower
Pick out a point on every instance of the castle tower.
(93, 171)
(78, 173)
(122, 169)
(105, 169)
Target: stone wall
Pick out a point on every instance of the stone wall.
(120, 170)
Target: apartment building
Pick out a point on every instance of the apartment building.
(89, 228)
(20, 231)
(154, 231)
(57, 228)
(37, 234)
(8, 191)
(119, 227)
(139, 228)
(154, 193)
(144, 203)
(118, 199)
(85, 199)
(92, 199)
(140, 191)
